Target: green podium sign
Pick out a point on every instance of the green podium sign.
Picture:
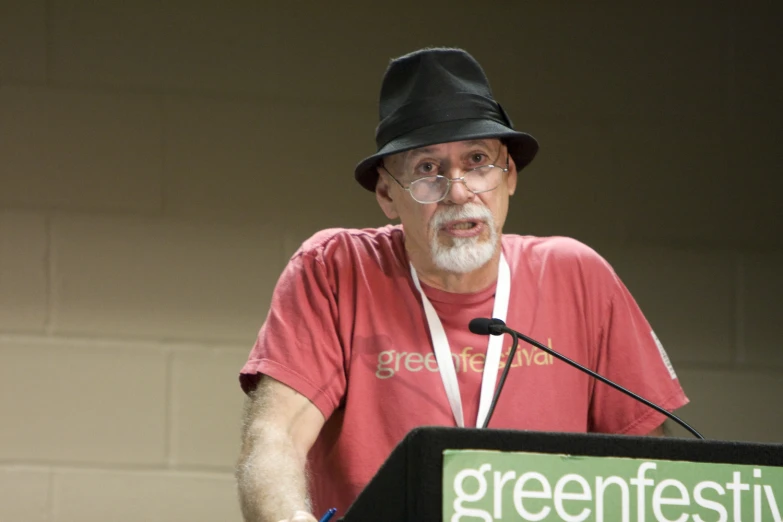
(493, 486)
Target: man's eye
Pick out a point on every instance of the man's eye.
(426, 169)
(478, 158)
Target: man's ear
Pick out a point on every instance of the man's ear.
(512, 177)
(384, 196)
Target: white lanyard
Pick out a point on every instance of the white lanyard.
(440, 345)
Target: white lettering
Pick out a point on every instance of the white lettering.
(737, 487)
(756, 503)
(658, 499)
(600, 488)
(384, 371)
(709, 504)
(756, 497)
(463, 496)
(412, 359)
(400, 355)
(640, 481)
(572, 497)
(561, 495)
(500, 481)
(773, 505)
(520, 493)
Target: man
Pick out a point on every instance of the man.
(367, 336)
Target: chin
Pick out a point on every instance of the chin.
(464, 256)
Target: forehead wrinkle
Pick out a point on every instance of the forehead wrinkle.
(417, 152)
(405, 156)
(485, 142)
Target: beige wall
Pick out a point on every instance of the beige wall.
(158, 164)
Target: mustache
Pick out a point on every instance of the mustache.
(468, 211)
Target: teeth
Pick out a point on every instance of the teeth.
(463, 226)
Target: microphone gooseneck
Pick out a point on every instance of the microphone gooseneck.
(484, 326)
(502, 381)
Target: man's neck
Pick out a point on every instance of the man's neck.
(457, 283)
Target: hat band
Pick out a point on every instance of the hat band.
(422, 113)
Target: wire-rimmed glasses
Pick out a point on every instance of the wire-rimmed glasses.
(432, 189)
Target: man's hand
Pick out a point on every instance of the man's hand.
(280, 426)
(300, 516)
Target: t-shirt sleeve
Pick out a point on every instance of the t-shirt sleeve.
(630, 354)
(299, 344)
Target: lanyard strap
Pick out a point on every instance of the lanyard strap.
(440, 345)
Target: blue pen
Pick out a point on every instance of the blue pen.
(328, 515)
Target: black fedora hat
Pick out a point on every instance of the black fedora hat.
(439, 95)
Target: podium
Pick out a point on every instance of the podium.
(409, 486)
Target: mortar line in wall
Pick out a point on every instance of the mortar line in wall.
(740, 350)
(52, 504)
(190, 345)
(185, 470)
(169, 427)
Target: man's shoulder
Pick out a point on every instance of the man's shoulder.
(561, 246)
(328, 242)
(549, 250)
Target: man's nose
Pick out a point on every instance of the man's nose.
(458, 193)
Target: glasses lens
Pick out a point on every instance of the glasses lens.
(483, 179)
(430, 189)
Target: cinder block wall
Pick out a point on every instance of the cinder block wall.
(159, 163)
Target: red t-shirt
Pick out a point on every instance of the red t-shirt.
(346, 328)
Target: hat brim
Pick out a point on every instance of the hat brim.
(521, 146)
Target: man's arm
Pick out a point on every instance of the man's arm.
(280, 425)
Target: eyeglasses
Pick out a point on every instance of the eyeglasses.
(432, 189)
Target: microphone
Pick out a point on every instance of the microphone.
(484, 326)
